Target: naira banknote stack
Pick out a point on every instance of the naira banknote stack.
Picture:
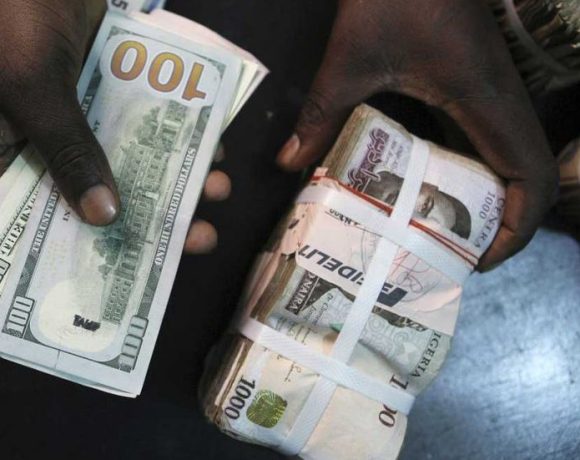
(310, 279)
(86, 303)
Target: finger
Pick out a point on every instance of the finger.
(337, 89)
(9, 134)
(201, 239)
(51, 118)
(523, 214)
(490, 104)
(11, 143)
(220, 153)
(217, 186)
(505, 131)
(95, 9)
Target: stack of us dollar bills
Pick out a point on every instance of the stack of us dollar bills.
(260, 385)
(86, 303)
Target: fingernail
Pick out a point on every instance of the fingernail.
(98, 205)
(202, 238)
(289, 151)
(218, 186)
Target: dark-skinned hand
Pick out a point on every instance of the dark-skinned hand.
(451, 55)
(43, 44)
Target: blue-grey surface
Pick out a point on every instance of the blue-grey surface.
(511, 385)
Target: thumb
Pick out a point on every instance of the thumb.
(60, 133)
(332, 97)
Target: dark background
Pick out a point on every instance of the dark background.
(510, 388)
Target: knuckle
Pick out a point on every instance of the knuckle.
(28, 83)
(357, 52)
(473, 88)
(315, 109)
(50, 51)
(18, 74)
(541, 190)
(543, 173)
(74, 161)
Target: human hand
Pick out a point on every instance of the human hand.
(43, 44)
(451, 55)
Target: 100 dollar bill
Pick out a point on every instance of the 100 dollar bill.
(86, 303)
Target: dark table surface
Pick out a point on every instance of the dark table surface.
(510, 388)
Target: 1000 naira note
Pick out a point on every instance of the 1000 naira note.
(86, 303)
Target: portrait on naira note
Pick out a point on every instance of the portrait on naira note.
(432, 203)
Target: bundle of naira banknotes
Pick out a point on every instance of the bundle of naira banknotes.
(270, 381)
(86, 303)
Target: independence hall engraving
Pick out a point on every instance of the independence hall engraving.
(144, 163)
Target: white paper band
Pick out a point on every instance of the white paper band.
(333, 369)
(350, 333)
(377, 222)
(327, 367)
(384, 255)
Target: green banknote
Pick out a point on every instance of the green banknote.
(86, 303)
